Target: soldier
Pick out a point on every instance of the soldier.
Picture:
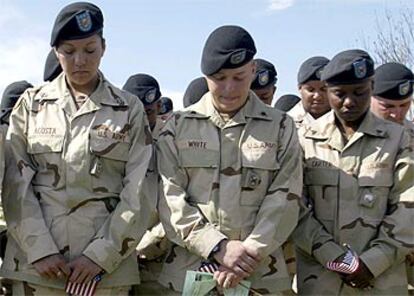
(359, 185)
(10, 96)
(231, 175)
(393, 93)
(286, 102)
(312, 90)
(264, 83)
(154, 244)
(195, 91)
(80, 149)
(166, 108)
(52, 67)
(391, 100)
(147, 89)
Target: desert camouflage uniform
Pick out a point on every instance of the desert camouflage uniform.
(361, 193)
(76, 186)
(3, 132)
(154, 244)
(410, 266)
(238, 179)
(300, 116)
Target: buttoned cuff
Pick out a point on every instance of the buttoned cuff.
(104, 254)
(205, 241)
(376, 261)
(43, 246)
(328, 252)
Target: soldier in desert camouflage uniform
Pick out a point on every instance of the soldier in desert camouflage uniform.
(391, 100)
(10, 96)
(231, 175)
(359, 185)
(81, 148)
(154, 244)
(314, 103)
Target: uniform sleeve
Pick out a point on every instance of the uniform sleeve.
(278, 214)
(123, 229)
(183, 222)
(23, 214)
(310, 235)
(3, 132)
(312, 238)
(396, 233)
(154, 243)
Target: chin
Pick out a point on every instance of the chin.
(83, 81)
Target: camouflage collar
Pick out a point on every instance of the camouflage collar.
(325, 126)
(105, 92)
(253, 108)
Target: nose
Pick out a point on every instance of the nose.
(80, 59)
(317, 96)
(349, 102)
(398, 114)
(229, 86)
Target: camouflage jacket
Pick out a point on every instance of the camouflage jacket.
(239, 179)
(3, 132)
(360, 193)
(300, 116)
(76, 186)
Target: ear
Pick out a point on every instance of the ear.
(56, 52)
(103, 46)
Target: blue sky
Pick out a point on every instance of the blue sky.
(164, 38)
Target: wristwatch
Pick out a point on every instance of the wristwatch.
(216, 249)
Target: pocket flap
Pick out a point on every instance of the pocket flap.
(38, 144)
(109, 148)
(376, 178)
(198, 158)
(321, 176)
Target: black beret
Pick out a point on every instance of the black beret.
(166, 105)
(227, 47)
(195, 91)
(52, 67)
(12, 93)
(311, 69)
(265, 74)
(77, 21)
(145, 87)
(286, 102)
(393, 81)
(349, 67)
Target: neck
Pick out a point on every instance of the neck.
(84, 89)
(348, 128)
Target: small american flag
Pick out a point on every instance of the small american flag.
(209, 267)
(87, 289)
(347, 263)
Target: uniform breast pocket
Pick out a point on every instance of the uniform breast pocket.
(201, 166)
(322, 187)
(374, 188)
(256, 178)
(108, 160)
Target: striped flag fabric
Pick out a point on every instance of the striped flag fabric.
(208, 267)
(346, 264)
(86, 289)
